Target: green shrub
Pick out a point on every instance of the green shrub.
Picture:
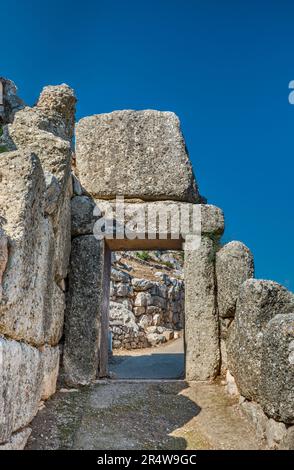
(143, 255)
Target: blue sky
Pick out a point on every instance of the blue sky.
(222, 66)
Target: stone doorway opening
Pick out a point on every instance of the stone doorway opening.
(86, 351)
(146, 315)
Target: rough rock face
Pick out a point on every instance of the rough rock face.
(201, 322)
(82, 215)
(277, 368)
(124, 328)
(21, 374)
(50, 359)
(29, 280)
(58, 103)
(12, 103)
(35, 241)
(17, 441)
(88, 213)
(259, 301)
(234, 265)
(137, 154)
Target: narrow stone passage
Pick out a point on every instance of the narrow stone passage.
(142, 415)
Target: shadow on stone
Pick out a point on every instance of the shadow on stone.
(149, 366)
(116, 416)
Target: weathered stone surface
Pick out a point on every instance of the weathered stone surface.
(287, 442)
(82, 218)
(22, 191)
(76, 186)
(3, 256)
(234, 265)
(52, 193)
(84, 310)
(17, 440)
(53, 152)
(120, 276)
(154, 224)
(255, 414)
(212, 220)
(259, 301)
(12, 103)
(275, 432)
(58, 103)
(62, 231)
(120, 315)
(277, 369)
(201, 323)
(138, 154)
(50, 359)
(21, 373)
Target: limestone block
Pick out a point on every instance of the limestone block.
(120, 314)
(82, 217)
(201, 322)
(3, 256)
(255, 414)
(259, 301)
(22, 191)
(53, 152)
(142, 299)
(288, 441)
(84, 310)
(275, 433)
(277, 369)
(234, 265)
(154, 225)
(12, 103)
(17, 440)
(120, 276)
(138, 154)
(62, 231)
(50, 358)
(21, 372)
(58, 104)
(141, 284)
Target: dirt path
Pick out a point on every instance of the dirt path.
(163, 362)
(142, 415)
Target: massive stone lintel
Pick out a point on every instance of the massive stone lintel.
(155, 233)
(136, 154)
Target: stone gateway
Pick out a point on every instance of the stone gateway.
(55, 272)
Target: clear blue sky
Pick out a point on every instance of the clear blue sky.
(222, 66)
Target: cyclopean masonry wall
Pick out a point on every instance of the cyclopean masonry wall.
(257, 329)
(146, 298)
(234, 324)
(35, 192)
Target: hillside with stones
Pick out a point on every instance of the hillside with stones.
(146, 298)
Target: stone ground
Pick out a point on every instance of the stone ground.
(142, 414)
